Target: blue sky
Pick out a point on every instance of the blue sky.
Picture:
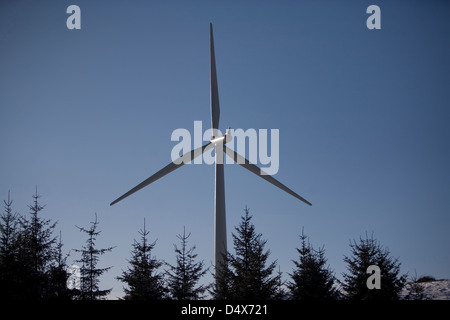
(363, 117)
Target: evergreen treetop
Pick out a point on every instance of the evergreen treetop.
(143, 280)
(90, 273)
(246, 275)
(182, 278)
(365, 253)
(312, 279)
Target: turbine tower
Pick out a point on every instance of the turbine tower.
(218, 143)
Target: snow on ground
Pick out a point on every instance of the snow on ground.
(433, 290)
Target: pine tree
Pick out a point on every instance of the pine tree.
(36, 251)
(29, 255)
(38, 233)
(8, 230)
(90, 273)
(246, 270)
(184, 276)
(142, 277)
(364, 254)
(311, 280)
(8, 252)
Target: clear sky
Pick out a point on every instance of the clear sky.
(363, 117)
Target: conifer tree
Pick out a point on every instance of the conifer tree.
(90, 273)
(311, 280)
(246, 271)
(38, 233)
(142, 277)
(8, 251)
(36, 252)
(29, 255)
(364, 254)
(182, 278)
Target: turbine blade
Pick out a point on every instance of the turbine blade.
(188, 156)
(259, 172)
(215, 109)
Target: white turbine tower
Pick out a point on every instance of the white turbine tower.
(217, 142)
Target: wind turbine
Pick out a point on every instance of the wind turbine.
(218, 143)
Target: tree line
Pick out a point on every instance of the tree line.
(34, 267)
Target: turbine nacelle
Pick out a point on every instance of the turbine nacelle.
(224, 139)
